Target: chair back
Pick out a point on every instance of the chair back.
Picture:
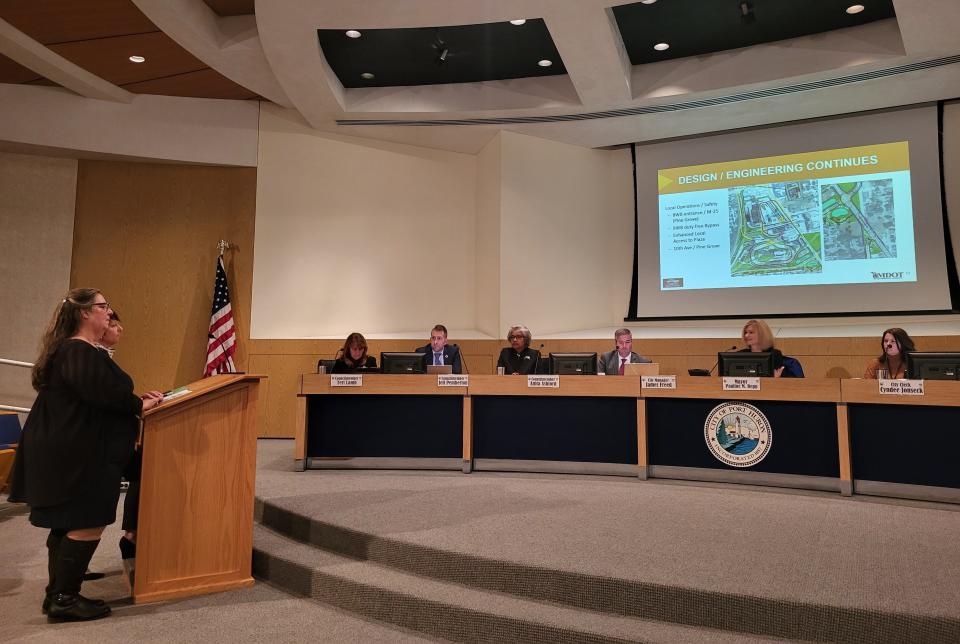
(9, 430)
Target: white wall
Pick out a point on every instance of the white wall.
(353, 234)
(488, 239)
(566, 244)
(951, 171)
(37, 196)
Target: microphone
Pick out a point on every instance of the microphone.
(463, 360)
(733, 348)
(536, 365)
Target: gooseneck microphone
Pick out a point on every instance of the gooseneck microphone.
(733, 348)
(463, 359)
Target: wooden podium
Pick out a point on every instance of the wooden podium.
(196, 497)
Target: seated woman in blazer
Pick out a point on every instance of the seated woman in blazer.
(519, 358)
(757, 336)
(353, 355)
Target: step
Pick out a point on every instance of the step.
(449, 610)
(615, 597)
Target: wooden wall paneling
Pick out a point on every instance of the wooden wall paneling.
(146, 235)
(57, 21)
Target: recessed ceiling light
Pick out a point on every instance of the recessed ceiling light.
(137, 59)
(545, 63)
(855, 8)
(661, 46)
(517, 22)
(366, 76)
(647, 1)
(353, 33)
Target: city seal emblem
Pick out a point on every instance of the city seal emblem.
(738, 434)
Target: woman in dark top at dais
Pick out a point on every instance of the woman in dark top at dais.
(354, 355)
(78, 437)
(519, 358)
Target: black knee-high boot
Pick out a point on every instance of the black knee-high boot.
(53, 551)
(66, 602)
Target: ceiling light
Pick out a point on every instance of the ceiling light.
(545, 63)
(855, 8)
(366, 76)
(137, 59)
(661, 46)
(647, 1)
(517, 22)
(353, 33)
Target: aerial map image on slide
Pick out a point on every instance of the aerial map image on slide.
(775, 229)
(858, 220)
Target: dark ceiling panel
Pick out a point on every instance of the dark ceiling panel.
(231, 7)
(14, 73)
(60, 21)
(695, 27)
(403, 57)
(108, 58)
(205, 83)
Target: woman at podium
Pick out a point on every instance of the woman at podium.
(78, 437)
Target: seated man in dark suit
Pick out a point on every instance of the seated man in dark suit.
(612, 362)
(439, 352)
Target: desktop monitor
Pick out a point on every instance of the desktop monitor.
(402, 362)
(933, 366)
(577, 364)
(745, 363)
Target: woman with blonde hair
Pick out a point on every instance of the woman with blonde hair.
(756, 334)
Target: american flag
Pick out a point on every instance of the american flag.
(221, 341)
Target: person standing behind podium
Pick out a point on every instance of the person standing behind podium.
(519, 358)
(895, 343)
(354, 355)
(613, 362)
(438, 352)
(77, 439)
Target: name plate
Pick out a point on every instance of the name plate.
(346, 380)
(550, 382)
(901, 387)
(658, 382)
(449, 380)
(741, 384)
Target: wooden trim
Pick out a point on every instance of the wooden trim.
(467, 430)
(786, 389)
(943, 393)
(376, 383)
(643, 459)
(843, 442)
(611, 386)
(300, 433)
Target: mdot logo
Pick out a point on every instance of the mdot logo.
(887, 276)
(738, 434)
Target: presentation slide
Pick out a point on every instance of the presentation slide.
(827, 217)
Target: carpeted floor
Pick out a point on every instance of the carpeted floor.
(798, 546)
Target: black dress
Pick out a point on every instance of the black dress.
(77, 440)
(340, 366)
(525, 363)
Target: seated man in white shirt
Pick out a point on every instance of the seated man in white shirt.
(612, 362)
(439, 352)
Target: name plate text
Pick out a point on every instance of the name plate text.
(550, 382)
(901, 387)
(658, 382)
(341, 380)
(741, 384)
(452, 380)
